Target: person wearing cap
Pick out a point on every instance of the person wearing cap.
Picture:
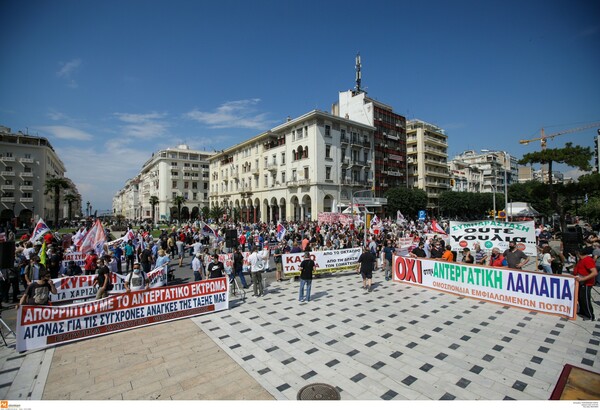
(585, 273)
(215, 268)
(366, 264)
(197, 266)
(90, 263)
(307, 267)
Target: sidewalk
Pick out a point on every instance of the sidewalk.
(397, 342)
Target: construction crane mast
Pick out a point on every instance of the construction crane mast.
(544, 138)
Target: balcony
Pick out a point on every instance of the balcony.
(235, 174)
(188, 177)
(26, 160)
(7, 187)
(26, 188)
(357, 141)
(7, 159)
(8, 199)
(344, 140)
(394, 173)
(26, 199)
(304, 181)
(7, 173)
(26, 174)
(366, 142)
(272, 166)
(436, 141)
(255, 171)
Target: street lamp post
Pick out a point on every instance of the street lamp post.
(87, 209)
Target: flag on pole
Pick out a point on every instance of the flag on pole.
(40, 230)
(78, 238)
(281, 231)
(375, 222)
(207, 230)
(399, 217)
(94, 239)
(43, 254)
(435, 227)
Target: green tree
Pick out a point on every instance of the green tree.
(408, 201)
(573, 156)
(70, 198)
(178, 201)
(55, 186)
(205, 211)
(591, 210)
(153, 202)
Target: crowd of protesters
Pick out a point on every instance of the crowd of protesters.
(138, 254)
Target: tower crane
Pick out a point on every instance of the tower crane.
(543, 138)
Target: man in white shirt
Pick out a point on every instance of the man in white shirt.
(257, 266)
(197, 267)
(136, 280)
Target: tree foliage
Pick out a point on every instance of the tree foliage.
(408, 201)
(153, 200)
(178, 201)
(573, 156)
(469, 205)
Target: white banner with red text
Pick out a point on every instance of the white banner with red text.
(81, 287)
(493, 234)
(42, 326)
(336, 260)
(555, 294)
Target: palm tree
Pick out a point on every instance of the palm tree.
(216, 213)
(70, 198)
(55, 185)
(205, 211)
(153, 202)
(178, 201)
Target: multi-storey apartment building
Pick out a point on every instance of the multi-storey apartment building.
(483, 172)
(26, 163)
(389, 136)
(168, 174)
(310, 164)
(427, 167)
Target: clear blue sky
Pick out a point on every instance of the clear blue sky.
(109, 82)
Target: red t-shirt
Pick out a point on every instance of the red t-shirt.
(584, 267)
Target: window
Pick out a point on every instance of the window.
(8, 154)
(194, 185)
(283, 158)
(327, 131)
(195, 196)
(343, 134)
(174, 185)
(266, 181)
(328, 173)
(283, 177)
(186, 185)
(266, 161)
(328, 151)
(27, 169)
(8, 182)
(299, 134)
(294, 176)
(305, 172)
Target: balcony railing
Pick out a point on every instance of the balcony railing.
(5, 187)
(26, 199)
(26, 174)
(7, 173)
(8, 159)
(26, 160)
(26, 188)
(7, 199)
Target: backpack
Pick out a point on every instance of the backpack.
(260, 264)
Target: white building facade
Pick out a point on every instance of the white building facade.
(168, 174)
(292, 172)
(26, 163)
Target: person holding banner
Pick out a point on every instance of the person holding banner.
(197, 267)
(136, 280)
(35, 270)
(585, 275)
(38, 292)
(515, 258)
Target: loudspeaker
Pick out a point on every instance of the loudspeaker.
(571, 242)
(231, 243)
(231, 234)
(7, 255)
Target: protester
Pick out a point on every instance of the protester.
(215, 269)
(515, 258)
(257, 266)
(366, 264)
(102, 280)
(307, 267)
(585, 274)
(38, 291)
(136, 279)
(197, 267)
